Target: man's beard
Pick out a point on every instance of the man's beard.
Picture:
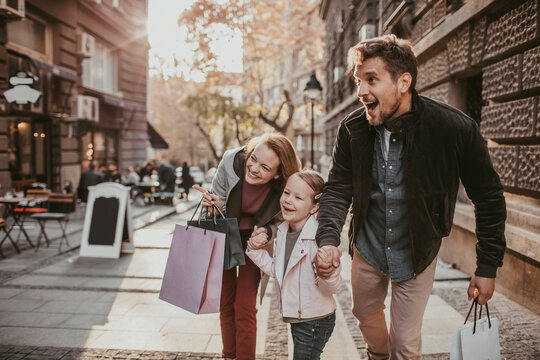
(384, 117)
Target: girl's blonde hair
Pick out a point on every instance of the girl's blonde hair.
(314, 181)
(284, 149)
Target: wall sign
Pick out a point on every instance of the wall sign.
(21, 92)
(107, 222)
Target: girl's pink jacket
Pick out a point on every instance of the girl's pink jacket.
(302, 293)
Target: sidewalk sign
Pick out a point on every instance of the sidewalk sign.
(107, 222)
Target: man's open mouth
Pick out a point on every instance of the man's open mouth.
(371, 105)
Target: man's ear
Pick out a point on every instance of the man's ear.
(405, 81)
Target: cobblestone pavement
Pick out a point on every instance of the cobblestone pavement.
(519, 328)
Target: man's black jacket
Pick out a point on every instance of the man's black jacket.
(442, 145)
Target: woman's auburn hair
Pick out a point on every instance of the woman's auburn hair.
(289, 163)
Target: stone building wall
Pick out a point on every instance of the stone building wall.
(123, 111)
(482, 57)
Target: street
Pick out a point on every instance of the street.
(87, 308)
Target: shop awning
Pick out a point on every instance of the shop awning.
(156, 140)
(114, 101)
(56, 70)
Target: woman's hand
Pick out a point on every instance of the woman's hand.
(259, 238)
(209, 200)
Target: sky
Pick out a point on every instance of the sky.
(167, 40)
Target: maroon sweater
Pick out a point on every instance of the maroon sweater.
(252, 198)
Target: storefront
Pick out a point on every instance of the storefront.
(33, 129)
(28, 149)
(99, 145)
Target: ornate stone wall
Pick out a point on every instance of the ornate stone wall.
(458, 50)
(528, 172)
(531, 69)
(510, 120)
(440, 92)
(502, 46)
(512, 29)
(503, 78)
(504, 160)
(434, 70)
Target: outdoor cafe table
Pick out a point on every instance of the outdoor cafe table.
(11, 204)
(147, 189)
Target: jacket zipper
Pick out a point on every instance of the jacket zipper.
(299, 299)
(408, 139)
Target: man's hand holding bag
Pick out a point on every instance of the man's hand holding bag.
(478, 340)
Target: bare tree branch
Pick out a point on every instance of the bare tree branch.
(209, 141)
(274, 121)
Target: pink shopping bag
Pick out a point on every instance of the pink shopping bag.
(194, 270)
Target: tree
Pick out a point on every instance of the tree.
(220, 120)
(273, 33)
(172, 121)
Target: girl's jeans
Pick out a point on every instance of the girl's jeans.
(310, 337)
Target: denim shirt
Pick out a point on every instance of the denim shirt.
(383, 240)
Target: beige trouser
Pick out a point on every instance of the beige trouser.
(409, 300)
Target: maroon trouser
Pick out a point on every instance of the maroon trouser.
(238, 313)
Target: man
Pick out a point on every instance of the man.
(89, 178)
(399, 161)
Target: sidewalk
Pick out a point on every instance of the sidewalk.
(67, 307)
(14, 264)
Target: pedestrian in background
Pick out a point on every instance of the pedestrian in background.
(399, 160)
(112, 173)
(89, 178)
(132, 178)
(247, 186)
(146, 172)
(167, 178)
(305, 300)
(187, 179)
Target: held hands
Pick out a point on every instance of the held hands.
(209, 200)
(327, 260)
(259, 238)
(481, 287)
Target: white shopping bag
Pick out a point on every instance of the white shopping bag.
(478, 340)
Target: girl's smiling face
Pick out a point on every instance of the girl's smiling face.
(297, 202)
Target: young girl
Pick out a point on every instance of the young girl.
(306, 301)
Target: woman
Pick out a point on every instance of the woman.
(247, 186)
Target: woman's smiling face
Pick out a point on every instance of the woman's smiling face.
(262, 165)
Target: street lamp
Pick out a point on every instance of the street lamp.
(312, 92)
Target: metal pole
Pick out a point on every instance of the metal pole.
(312, 136)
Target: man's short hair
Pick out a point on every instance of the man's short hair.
(397, 54)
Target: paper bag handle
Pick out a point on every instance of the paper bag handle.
(200, 216)
(475, 304)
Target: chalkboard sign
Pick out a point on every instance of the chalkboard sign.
(104, 218)
(107, 221)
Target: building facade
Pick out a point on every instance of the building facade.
(88, 59)
(482, 57)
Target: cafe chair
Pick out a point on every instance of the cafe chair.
(3, 228)
(60, 206)
(28, 208)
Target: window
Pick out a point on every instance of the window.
(30, 36)
(100, 147)
(100, 69)
(27, 150)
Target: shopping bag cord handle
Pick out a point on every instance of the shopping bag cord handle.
(475, 304)
(192, 216)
